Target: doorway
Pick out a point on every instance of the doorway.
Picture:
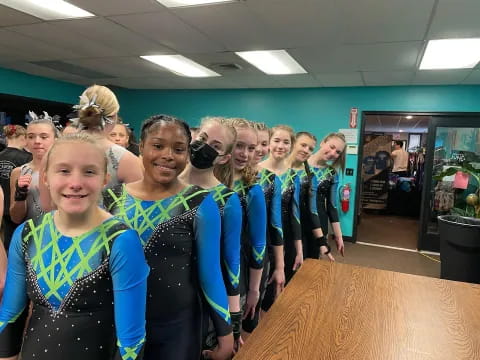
(392, 175)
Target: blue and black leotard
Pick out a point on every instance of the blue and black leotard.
(254, 228)
(292, 229)
(231, 212)
(73, 283)
(181, 237)
(272, 189)
(319, 202)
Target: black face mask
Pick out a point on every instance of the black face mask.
(202, 155)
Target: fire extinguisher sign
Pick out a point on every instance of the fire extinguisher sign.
(353, 118)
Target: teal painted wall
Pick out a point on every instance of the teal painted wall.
(319, 110)
(22, 84)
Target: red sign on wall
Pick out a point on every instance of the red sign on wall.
(353, 118)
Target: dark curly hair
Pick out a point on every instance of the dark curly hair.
(154, 121)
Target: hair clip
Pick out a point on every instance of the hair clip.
(90, 103)
(34, 117)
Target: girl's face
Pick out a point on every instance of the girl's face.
(331, 149)
(244, 148)
(164, 152)
(280, 144)
(119, 135)
(75, 182)
(262, 147)
(40, 137)
(218, 137)
(303, 148)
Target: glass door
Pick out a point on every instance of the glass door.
(452, 140)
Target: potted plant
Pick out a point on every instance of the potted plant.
(460, 232)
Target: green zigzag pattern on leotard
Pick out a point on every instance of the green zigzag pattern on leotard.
(46, 271)
(266, 177)
(220, 195)
(149, 221)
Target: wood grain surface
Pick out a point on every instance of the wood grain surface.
(340, 311)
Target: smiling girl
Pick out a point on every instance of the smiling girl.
(254, 223)
(179, 225)
(281, 143)
(82, 269)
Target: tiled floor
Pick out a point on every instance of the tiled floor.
(387, 230)
(389, 259)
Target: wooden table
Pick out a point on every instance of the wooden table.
(340, 311)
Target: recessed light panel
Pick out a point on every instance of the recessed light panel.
(272, 62)
(180, 65)
(451, 54)
(47, 9)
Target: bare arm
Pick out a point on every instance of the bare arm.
(18, 209)
(130, 168)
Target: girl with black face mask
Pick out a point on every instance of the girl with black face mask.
(210, 155)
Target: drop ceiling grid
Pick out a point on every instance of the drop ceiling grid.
(340, 43)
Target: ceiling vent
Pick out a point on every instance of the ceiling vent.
(227, 66)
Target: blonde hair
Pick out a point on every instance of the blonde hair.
(340, 162)
(286, 128)
(104, 105)
(249, 175)
(223, 172)
(260, 126)
(81, 137)
(14, 131)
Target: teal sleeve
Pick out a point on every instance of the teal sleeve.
(295, 218)
(14, 302)
(257, 225)
(207, 237)
(231, 232)
(276, 233)
(129, 276)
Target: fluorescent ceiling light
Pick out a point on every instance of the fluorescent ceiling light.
(181, 65)
(451, 54)
(272, 62)
(47, 9)
(409, 117)
(181, 3)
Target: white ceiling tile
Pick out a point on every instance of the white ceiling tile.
(383, 78)
(341, 79)
(29, 49)
(473, 78)
(9, 17)
(233, 25)
(117, 7)
(120, 66)
(300, 80)
(456, 19)
(298, 23)
(45, 72)
(350, 58)
(438, 77)
(168, 30)
(56, 35)
(112, 35)
(372, 21)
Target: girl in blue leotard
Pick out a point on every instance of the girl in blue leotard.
(179, 225)
(254, 220)
(281, 142)
(273, 277)
(324, 166)
(210, 153)
(82, 269)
